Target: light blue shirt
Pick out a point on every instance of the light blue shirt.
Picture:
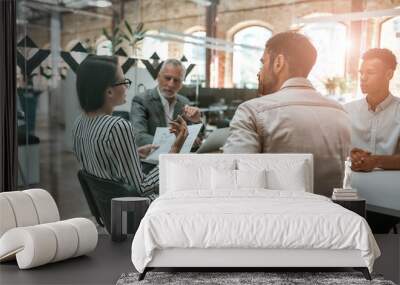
(376, 131)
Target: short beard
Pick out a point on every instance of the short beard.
(268, 87)
(170, 99)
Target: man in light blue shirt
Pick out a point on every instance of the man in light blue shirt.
(375, 135)
(375, 121)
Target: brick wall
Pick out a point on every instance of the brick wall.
(182, 15)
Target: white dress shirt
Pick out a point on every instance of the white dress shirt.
(168, 108)
(379, 131)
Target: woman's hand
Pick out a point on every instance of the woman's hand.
(145, 150)
(179, 128)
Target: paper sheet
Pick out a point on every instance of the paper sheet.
(165, 140)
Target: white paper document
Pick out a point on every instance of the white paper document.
(164, 139)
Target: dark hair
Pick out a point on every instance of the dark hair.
(95, 74)
(297, 49)
(383, 54)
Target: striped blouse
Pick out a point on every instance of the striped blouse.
(105, 147)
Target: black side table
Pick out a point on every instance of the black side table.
(137, 205)
(358, 206)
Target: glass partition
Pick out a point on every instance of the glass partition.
(330, 40)
(246, 61)
(390, 38)
(222, 51)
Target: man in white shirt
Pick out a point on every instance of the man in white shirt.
(375, 121)
(293, 117)
(156, 107)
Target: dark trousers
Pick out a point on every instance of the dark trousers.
(381, 223)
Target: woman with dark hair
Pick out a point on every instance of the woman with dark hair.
(103, 144)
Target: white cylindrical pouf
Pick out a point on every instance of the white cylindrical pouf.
(23, 208)
(67, 239)
(45, 205)
(87, 234)
(7, 218)
(34, 246)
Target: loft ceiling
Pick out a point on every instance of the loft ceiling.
(40, 9)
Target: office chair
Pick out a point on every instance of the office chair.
(99, 192)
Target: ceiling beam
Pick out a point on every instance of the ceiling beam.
(56, 8)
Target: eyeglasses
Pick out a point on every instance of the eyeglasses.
(127, 82)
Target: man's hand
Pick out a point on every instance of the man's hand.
(362, 160)
(191, 114)
(366, 164)
(357, 155)
(145, 150)
(197, 142)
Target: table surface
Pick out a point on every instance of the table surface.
(380, 188)
(130, 199)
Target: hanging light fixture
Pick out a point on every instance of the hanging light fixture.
(100, 3)
(202, 2)
(207, 42)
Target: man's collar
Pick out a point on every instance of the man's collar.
(382, 105)
(299, 82)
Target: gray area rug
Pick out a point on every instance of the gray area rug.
(273, 278)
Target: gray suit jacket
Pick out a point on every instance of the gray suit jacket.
(147, 113)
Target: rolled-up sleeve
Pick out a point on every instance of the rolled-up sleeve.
(243, 137)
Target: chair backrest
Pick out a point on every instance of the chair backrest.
(99, 192)
(89, 197)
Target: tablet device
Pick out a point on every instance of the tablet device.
(214, 141)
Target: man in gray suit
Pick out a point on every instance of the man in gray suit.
(156, 107)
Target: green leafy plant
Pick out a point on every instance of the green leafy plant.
(345, 85)
(339, 84)
(133, 36)
(331, 84)
(115, 37)
(130, 35)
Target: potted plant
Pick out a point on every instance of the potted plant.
(331, 84)
(133, 36)
(115, 38)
